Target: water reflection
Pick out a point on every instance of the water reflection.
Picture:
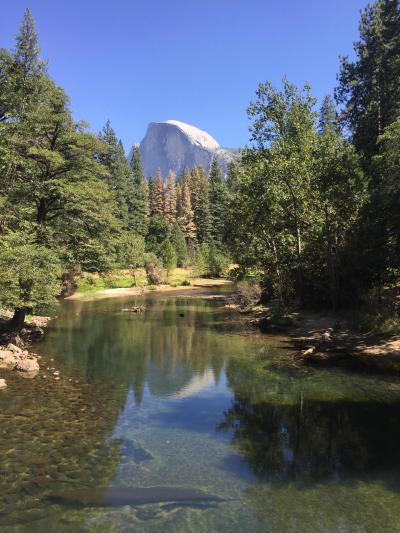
(165, 399)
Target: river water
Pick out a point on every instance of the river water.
(183, 396)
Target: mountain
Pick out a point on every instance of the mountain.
(175, 145)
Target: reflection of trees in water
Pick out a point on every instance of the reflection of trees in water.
(158, 347)
(294, 438)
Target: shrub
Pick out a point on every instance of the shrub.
(154, 270)
(248, 293)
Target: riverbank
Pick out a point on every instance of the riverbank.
(196, 285)
(15, 353)
(325, 339)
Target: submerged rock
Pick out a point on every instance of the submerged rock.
(121, 496)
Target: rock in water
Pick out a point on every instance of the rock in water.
(3, 384)
(121, 496)
(174, 145)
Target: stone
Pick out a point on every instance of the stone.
(13, 348)
(27, 365)
(174, 145)
(3, 384)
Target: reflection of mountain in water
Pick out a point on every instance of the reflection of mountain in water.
(159, 348)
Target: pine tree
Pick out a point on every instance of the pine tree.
(218, 201)
(200, 203)
(170, 199)
(369, 87)
(186, 220)
(157, 195)
(139, 203)
(328, 117)
(119, 177)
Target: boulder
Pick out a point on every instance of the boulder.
(27, 365)
(3, 384)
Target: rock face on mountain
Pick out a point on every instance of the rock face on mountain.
(175, 145)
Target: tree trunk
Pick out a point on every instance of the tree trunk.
(299, 264)
(18, 320)
(42, 211)
(278, 272)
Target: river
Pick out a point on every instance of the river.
(183, 396)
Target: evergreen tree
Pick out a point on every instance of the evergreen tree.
(369, 87)
(139, 203)
(186, 220)
(218, 202)
(200, 203)
(178, 241)
(328, 117)
(119, 177)
(157, 195)
(170, 199)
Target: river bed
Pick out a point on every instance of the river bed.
(182, 396)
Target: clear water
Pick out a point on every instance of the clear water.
(195, 401)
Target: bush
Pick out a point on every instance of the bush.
(211, 261)
(154, 270)
(168, 255)
(248, 293)
(379, 312)
(185, 283)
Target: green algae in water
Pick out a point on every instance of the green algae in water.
(158, 399)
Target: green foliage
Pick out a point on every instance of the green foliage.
(139, 202)
(211, 261)
(159, 232)
(154, 270)
(132, 253)
(369, 86)
(218, 202)
(178, 241)
(29, 273)
(168, 255)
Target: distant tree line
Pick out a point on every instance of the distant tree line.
(311, 209)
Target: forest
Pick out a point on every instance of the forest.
(309, 211)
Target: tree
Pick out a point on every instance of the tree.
(170, 199)
(369, 87)
(158, 233)
(200, 203)
(386, 164)
(119, 176)
(133, 253)
(284, 130)
(218, 201)
(51, 177)
(157, 198)
(341, 194)
(178, 241)
(186, 220)
(168, 255)
(140, 200)
(29, 276)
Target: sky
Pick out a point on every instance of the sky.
(198, 61)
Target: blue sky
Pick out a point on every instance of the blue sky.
(199, 61)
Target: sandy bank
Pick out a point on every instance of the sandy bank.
(197, 285)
